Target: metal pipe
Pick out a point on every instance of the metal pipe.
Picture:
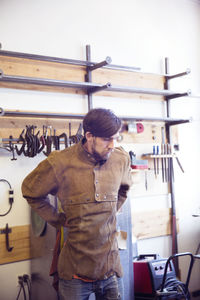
(101, 64)
(8, 113)
(88, 85)
(48, 82)
(98, 89)
(42, 115)
(146, 91)
(166, 85)
(178, 75)
(188, 93)
(89, 76)
(64, 60)
(171, 183)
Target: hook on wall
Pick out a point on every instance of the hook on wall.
(1, 111)
(6, 231)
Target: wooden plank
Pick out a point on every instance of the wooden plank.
(127, 78)
(43, 88)
(149, 224)
(19, 239)
(58, 71)
(14, 126)
(151, 134)
(41, 69)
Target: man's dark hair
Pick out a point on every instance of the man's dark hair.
(101, 122)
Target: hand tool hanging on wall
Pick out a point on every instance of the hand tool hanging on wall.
(12, 149)
(162, 152)
(64, 136)
(179, 164)
(166, 163)
(6, 231)
(21, 139)
(32, 144)
(56, 140)
(8, 147)
(48, 140)
(74, 139)
(154, 160)
(70, 133)
(170, 159)
(157, 153)
(166, 157)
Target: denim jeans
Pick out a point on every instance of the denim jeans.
(75, 289)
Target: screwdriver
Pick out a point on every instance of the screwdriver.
(157, 159)
(154, 160)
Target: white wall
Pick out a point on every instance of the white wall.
(135, 33)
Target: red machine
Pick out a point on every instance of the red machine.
(148, 275)
(155, 277)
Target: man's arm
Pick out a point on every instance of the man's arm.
(35, 189)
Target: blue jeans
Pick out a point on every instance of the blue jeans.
(75, 289)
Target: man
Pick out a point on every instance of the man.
(91, 180)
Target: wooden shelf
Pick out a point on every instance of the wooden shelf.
(36, 72)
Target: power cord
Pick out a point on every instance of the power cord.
(24, 281)
(28, 283)
(10, 199)
(22, 288)
(176, 286)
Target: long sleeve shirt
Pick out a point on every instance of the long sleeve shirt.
(90, 194)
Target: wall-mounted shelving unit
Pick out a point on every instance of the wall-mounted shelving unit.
(52, 74)
(29, 71)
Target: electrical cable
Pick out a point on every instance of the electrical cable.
(21, 280)
(179, 288)
(19, 292)
(24, 292)
(4, 180)
(28, 283)
(10, 199)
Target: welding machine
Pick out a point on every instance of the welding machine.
(148, 275)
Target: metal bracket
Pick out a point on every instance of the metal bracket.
(107, 61)
(6, 231)
(88, 77)
(188, 93)
(101, 88)
(178, 75)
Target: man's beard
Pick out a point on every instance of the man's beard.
(98, 157)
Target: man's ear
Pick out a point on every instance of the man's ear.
(88, 136)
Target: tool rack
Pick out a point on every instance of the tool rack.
(91, 80)
(87, 87)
